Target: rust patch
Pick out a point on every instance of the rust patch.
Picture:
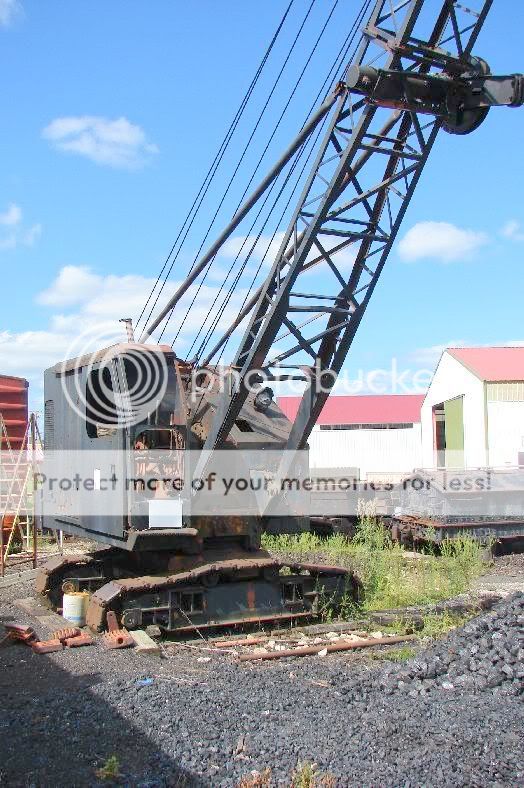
(84, 639)
(251, 596)
(47, 646)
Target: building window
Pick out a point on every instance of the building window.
(385, 426)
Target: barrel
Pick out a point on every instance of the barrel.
(74, 607)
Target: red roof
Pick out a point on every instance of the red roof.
(363, 409)
(492, 363)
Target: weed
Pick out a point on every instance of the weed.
(307, 776)
(256, 779)
(304, 776)
(438, 624)
(401, 654)
(389, 577)
(110, 770)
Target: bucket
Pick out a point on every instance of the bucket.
(74, 607)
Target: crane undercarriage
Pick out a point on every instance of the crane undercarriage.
(218, 589)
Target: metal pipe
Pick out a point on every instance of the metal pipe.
(34, 482)
(306, 131)
(344, 645)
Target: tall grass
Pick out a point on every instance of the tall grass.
(390, 578)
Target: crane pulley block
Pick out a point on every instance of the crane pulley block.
(461, 97)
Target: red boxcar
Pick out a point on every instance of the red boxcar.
(14, 409)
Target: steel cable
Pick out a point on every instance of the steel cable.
(290, 98)
(202, 192)
(339, 60)
(235, 171)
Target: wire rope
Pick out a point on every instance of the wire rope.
(203, 190)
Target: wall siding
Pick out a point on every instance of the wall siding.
(375, 452)
(505, 432)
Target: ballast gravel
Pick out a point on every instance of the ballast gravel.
(453, 715)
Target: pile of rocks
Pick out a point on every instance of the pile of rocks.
(487, 653)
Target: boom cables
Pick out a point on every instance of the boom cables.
(340, 60)
(236, 169)
(232, 278)
(204, 188)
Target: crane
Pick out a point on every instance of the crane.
(413, 74)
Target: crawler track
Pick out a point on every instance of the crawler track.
(250, 589)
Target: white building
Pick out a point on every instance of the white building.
(473, 413)
(377, 436)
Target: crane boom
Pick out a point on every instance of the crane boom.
(402, 87)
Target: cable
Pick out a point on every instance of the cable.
(341, 56)
(214, 166)
(259, 119)
(297, 83)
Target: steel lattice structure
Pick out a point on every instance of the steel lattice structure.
(411, 76)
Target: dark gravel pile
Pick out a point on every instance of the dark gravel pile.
(486, 653)
(202, 719)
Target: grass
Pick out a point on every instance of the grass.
(401, 654)
(110, 771)
(389, 577)
(305, 775)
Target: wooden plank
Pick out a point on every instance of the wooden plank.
(34, 608)
(144, 644)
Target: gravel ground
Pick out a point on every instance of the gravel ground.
(453, 715)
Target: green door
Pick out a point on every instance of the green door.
(454, 430)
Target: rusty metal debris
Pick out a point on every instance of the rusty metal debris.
(343, 645)
(240, 642)
(116, 637)
(64, 634)
(47, 646)
(22, 632)
(84, 639)
(120, 638)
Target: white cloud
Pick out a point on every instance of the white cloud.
(73, 285)
(85, 309)
(16, 233)
(429, 356)
(116, 143)
(513, 230)
(440, 241)
(9, 10)
(11, 216)
(264, 247)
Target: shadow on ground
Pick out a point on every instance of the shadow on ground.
(56, 731)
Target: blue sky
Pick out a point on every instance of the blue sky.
(112, 114)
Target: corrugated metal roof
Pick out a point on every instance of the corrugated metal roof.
(493, 364)
(363, 409)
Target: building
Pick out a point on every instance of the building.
(377, 436)
(14, 410)
(473, 412)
